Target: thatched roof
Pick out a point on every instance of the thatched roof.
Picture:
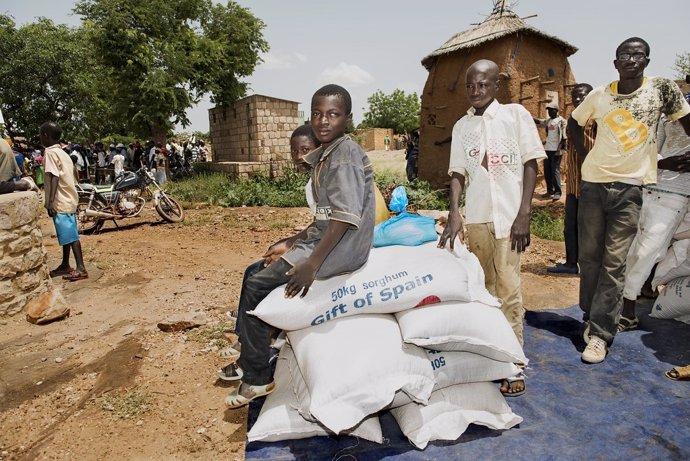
(502, 21)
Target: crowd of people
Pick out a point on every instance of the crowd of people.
(100, 163)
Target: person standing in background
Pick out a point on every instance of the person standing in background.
(555, 142)
(572, 188)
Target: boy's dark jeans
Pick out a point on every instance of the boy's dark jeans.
(607, 219)
(255, 334)
(552, 172)
(570, 229)
(251, 270)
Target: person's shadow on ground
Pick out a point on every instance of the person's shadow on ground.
(669, 340)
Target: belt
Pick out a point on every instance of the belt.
(617, 185)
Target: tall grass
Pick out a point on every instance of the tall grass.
(288, 190)
(219, 189)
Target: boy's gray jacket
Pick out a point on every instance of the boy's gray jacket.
(343, 187)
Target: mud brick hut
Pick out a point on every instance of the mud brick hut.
(534, 71)
(373, 138)
(252, 135)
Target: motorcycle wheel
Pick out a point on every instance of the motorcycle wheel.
(88, 224)
(169, 209)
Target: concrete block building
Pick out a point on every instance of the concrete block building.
(252, 135)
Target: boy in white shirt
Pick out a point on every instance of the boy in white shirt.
(497, 147)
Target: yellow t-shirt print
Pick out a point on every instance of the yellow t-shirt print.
(630, 132)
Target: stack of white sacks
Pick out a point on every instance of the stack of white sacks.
(413, 331)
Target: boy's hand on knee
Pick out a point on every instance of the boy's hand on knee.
(274, 252)
(520, 233)
(302, 276)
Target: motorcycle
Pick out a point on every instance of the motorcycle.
(125, 198)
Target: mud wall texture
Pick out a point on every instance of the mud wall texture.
(374, 138)
(23, 270)
(534, 71)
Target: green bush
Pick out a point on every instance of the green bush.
(547, 223)
(219, 189)
(419, 193)
(288, 190)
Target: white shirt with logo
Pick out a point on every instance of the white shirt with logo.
(507, 136)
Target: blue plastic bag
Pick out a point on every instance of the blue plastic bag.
(405, 229)
(398, 203)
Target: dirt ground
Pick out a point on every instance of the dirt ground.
(106, 383)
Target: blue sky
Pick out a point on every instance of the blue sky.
(371, 45)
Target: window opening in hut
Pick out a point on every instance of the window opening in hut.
(550, 72)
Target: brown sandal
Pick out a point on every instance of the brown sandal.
(679, 373)
(75, 275)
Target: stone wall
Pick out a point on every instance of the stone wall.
(244, 170)
(23, 270)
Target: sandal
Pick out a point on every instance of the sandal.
(237, 400)
(75, 275)
(58, 272)
(229, 353)
(679, 373)
(231, 372)
(513, 379)
(625, 324)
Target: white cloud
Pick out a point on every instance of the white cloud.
(346, 75)
(280, 61)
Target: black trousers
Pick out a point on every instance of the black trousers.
(570, 229)
(254, 333)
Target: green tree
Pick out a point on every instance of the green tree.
(48, 72)
(397, 110)
(682, 65)
(164, 55)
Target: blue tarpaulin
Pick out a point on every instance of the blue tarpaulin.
(623, 408)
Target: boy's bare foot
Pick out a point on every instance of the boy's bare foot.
(513, 387)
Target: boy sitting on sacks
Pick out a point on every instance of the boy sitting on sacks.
(337, 242)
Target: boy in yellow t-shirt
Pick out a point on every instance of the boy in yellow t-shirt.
(622, 160)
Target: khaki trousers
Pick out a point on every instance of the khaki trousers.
(501, 271)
